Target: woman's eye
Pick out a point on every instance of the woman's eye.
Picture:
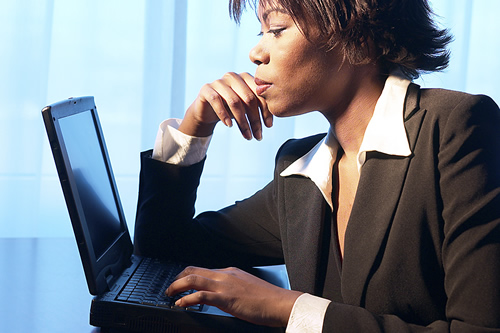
(276, 32)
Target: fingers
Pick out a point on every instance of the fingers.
(266, 114)
(201, 279)
(191, 278)
(213, 94)
(241, 104)
(233, 97)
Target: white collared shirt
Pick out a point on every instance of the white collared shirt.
(385, 133)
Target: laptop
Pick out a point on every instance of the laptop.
(128, 289)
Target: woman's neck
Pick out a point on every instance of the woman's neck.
(349, 124)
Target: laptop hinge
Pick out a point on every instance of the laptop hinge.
(109, 280)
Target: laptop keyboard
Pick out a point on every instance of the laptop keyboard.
(149, 282)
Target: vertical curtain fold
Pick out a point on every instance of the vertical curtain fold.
(164, 65)
(25, 52)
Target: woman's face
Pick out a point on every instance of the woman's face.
(293, 75)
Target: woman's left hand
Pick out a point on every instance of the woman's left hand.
(236, 292)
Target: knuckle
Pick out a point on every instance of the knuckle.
(246, 77)
(192, 279)
(229, 75)
(206, 89)
(233, 102)
(189, 270)
(211, 96)
(202, 296)
(249, 99)
(231, 271)
(228, 269)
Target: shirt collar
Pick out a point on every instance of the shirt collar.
(385, 133)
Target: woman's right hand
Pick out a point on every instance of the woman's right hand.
(231, 97)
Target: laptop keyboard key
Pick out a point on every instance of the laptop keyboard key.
(148, 284)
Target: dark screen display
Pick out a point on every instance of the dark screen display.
(92, 180)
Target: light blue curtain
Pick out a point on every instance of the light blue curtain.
(145, 61)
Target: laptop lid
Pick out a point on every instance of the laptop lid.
(90, 191)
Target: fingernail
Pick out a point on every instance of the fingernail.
(178, 302)
(268, 121)
(258, 134)
(228, 122)
(247, 134)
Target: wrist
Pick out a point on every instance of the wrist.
(196, 129)
(196, 123)
(288, 304)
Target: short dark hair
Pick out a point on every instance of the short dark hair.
(393, 33)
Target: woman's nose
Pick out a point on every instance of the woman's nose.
(258, 55)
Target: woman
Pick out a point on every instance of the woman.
(390, 222)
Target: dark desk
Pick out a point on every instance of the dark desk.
(42, 287)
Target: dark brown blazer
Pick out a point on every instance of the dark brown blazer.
(422, 246)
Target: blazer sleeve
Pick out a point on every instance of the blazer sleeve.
(245, 234)
(467, 144)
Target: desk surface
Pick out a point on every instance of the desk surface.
(42, 286)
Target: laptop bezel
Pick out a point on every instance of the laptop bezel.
(101, 272)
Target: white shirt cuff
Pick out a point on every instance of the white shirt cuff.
(307, 314)
(174, 147)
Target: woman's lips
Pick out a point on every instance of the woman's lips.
(262, 86)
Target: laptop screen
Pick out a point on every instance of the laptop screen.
(92, 179)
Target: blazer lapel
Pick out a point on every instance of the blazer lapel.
(379, 189)
(305, 208)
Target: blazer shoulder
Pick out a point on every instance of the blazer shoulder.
(443, 99)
